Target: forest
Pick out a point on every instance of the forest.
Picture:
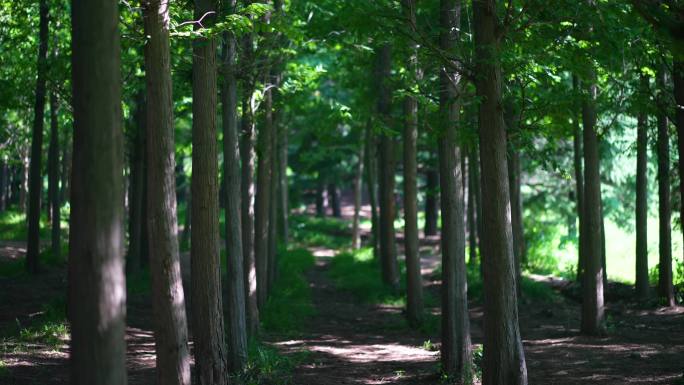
(341, 192)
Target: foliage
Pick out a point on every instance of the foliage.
(290, 301)
(266, 366)
(323, 232)
(49, 328)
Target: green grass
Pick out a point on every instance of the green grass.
(265, 365)
(327, 232)
(290, 300)
(49, 328)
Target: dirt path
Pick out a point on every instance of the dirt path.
(353, 343)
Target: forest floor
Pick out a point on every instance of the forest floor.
(352, 341)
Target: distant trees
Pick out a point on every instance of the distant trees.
(97, 285)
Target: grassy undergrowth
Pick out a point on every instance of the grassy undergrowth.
(320, 232)
(49, 328)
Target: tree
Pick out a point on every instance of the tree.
(35, 178)
(665, 290)
(53, 178)
(386, 168)
(579, 181)
(137, 185)
(414, 289)
(247, 157)
(97, 285)
(207, 313)
(504, 359)
(642, 197)
(237, 327)
(456, 349)
(358, 190)
(171, 325)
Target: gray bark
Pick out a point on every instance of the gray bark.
(504, 359)
(97, 285)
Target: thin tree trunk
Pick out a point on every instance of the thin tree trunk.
(414, 284)
(207, 312)
(514, 181)
(431, 194)
(97, 284)
(472, 227)
(4, 184)
(504, 359)
(320, 200)
(247, 156)
(579, 186)
(262, 203)
(24, 180)
(284, 200)
(66, 167)
(358, 189)
(641, 278)
(386, 169)
(53, 178)
(371, 182)
(168, 297)
(136, 194)
(334, 196)
(35, 178)
(456, 356)
(592, 285)
(665, 287)
(604, 271)
(273, 207)
(236, 322)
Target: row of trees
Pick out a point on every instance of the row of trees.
(492, 89)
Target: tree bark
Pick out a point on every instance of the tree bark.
(97, 284)
(320, 199)
(334, 196)
(504, 359)
(579, 185)
(641, 280)
(168, 297)
(236, 323)
(247, 157)
(592, 285)
(386, 169)
(456, 351)
(35, 178)
(371, 183)
(4, 184)
(472, 227)
(136, 194)
(53, 178)
(273, 207)
(262, 203)
(358, 189)
(514, 181)
(431, 197)
(284, 200)
(207, 313)
(414, 284)
(665, 287)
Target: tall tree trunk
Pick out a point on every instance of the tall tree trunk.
(273, 207)
(207, 312)
(642, 197)
(371, 182)
(236, 323)
(320, 199)
(456, 349)
(334, 196)
(504, 359)
(4, 184)
(604, 271)
(284, 200)
(136, 194)
(53, 178)
(665, 288)
(66, 167)
(358, 190)
(386, 168)
(35, 178)
(24, 180)
(247, 157)
(431, 194)
(592, 285)
(514, 180)
(262, 204)
(97, 284)
(168, 297)
(414, 284)
(472, 227)
(579, 184)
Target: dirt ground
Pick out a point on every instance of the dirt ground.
(352, 343)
